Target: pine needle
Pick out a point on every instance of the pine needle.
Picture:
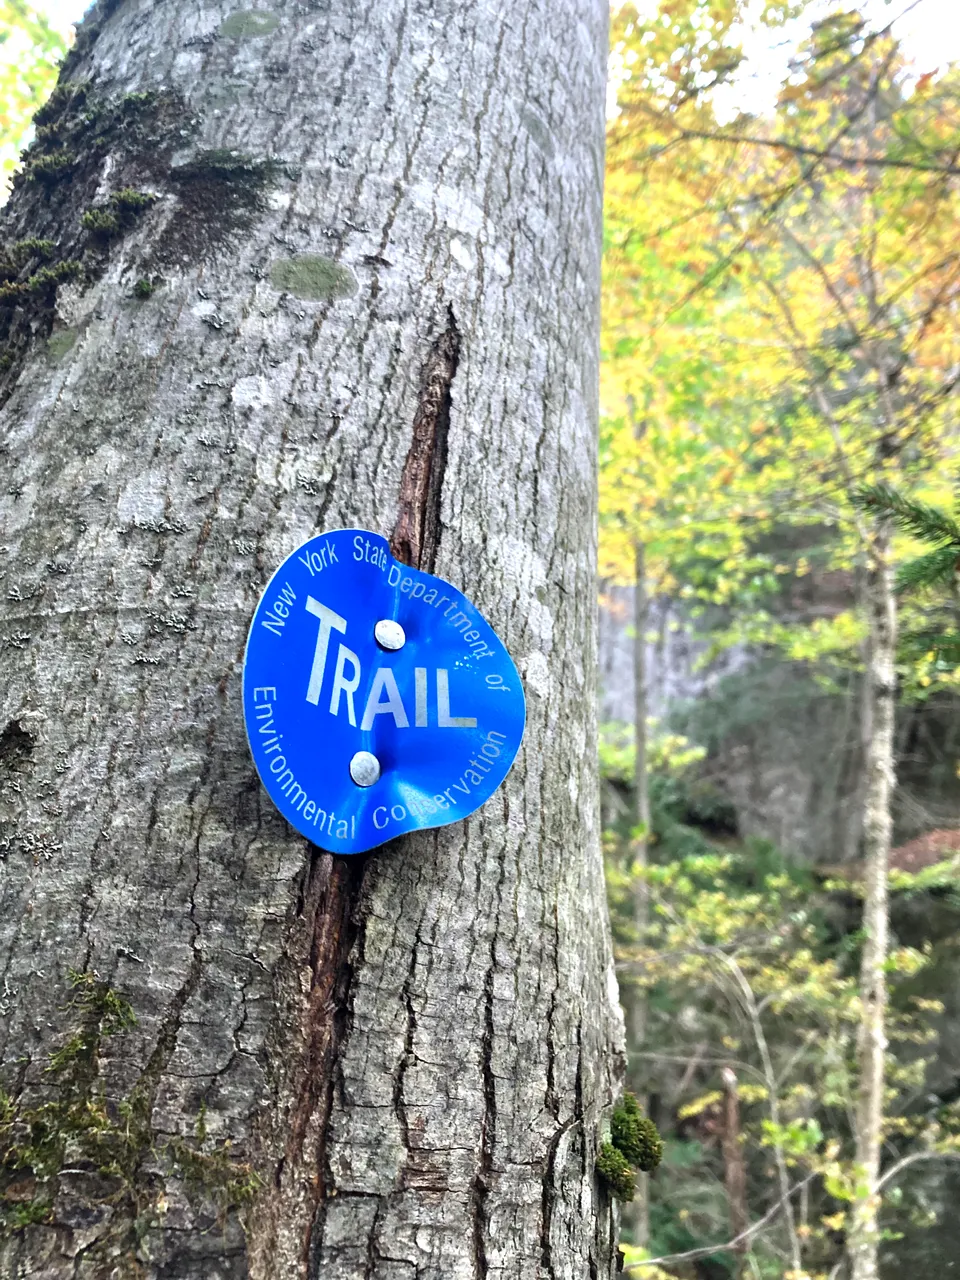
(927, 523)
(937, 569)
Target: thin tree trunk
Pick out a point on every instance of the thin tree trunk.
(324, 244)
(641, 613)
(734, 1169)
(863, 1237)
(857, 792)
(639, 1211)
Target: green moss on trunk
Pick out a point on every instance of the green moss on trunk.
(75, 1123)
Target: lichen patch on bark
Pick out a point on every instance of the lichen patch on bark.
(310, 276)
(59, 343)
(248, 23)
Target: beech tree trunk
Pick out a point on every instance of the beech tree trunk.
(863, 1235)
(311, 266)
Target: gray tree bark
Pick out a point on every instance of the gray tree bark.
(309, 267)
(863, 1236)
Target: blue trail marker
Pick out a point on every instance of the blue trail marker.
(377, 698)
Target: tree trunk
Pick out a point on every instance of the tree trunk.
(734, 1167)
(641, 610)
(312, 267)
(863, 1235)
(856, 789)
(637, 1214)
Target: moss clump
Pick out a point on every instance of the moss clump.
(49, 277)
(111, 1011)
(635, 1144)
(134, 101)
(248, 22)
(635, 1135)
(50, 168)
(613, 1169)
(41, 282)
(127, 140)
(34, 1141)
(224, 1180)
(25, 1213)
(21, 251)
(46, 134)
(100, 1012)
(14, 257)
(310, 276)
(101, 222)
(119, 213)
(65, 98)
(131, 202)
(144, 289)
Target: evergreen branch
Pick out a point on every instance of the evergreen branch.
(936, 569)
(929, 524)
(945, 645)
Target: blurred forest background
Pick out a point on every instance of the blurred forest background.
(780, 620)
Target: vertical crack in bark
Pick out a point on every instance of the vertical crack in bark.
(372, 1258)
(169, 1029)
(551, 1104)
(330, 899)
(547, 1197)
(416, 535)
(333, 887)
(399, 1102)
(549, 1181)
(480, 1188)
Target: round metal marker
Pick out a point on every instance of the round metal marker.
(364, 768)
(389, 634)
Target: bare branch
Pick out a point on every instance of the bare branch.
(745, 242)
(896, 1169)
(731, 1246)
(847, 159)
(773, 1101)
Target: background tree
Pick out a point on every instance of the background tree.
(812, 254)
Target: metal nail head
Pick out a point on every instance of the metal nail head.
(389, 634)
(364, 768)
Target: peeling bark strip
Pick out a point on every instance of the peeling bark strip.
(216, 292)
(416, 536)
(480, 1188)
